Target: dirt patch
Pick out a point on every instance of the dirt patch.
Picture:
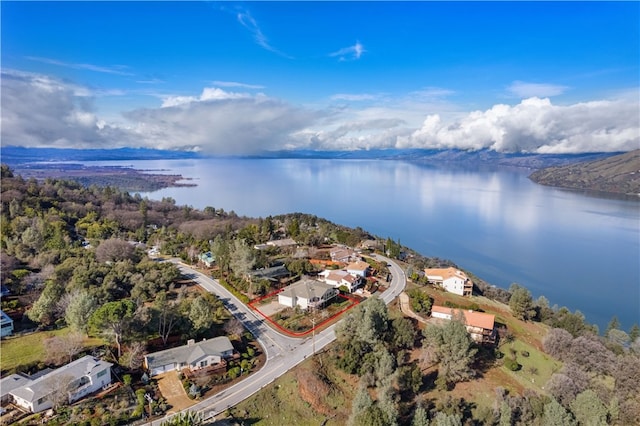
(172, 390)
(313, 390)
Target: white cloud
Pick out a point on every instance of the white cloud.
(38, 110)
(536, 125)
(247, 21)
(41, 111)
(523, 89)
(117, 70)
(208, 94)
(236, 84)
(353, 97)
(349, 52)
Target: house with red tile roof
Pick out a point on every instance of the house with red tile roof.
(450, 279)
(480, 325)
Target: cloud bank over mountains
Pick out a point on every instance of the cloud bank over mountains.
(39, 110)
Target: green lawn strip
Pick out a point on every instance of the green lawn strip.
(29, 348)
(544, 364)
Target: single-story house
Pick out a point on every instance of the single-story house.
(480, 326)
(207, 258)
(272, 274)
(66, 384)
(6, 324)
(10, 383)
(192, 355)
(286, 242)
(339, 278)
(344, 255)
(307, 294)
(359, 268)
(451, 279)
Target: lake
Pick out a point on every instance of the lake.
(579, 251)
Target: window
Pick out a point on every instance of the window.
(102, 373)
(203, 363)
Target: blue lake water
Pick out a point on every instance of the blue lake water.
(579, 251)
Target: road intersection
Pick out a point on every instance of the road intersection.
(282, 352)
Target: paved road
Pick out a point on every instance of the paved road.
(283, 352)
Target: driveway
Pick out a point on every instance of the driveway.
(270, 309)
(172, 390)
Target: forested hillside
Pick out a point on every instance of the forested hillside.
(619, 174)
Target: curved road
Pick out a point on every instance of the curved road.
(283, 352)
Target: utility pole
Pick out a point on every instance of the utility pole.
(313, 332)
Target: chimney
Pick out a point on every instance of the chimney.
(191, 342)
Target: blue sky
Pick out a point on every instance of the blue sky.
(241, 77)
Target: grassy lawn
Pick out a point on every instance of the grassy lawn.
(30, 348)
(544, 365)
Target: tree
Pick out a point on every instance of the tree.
(201, 314)
(444, 419)
(79, 309)
(557, 343)
(403, 334)
(58, 389)
(556, 415)
(44, 309)
(166, 315)
(242, 259)
(233, 326)
(420, 417)
(221, 251)
(113, 319)
(61, 349)
(614, 324)
(634, 332)
(521, 303)
(361, 402)
(589, 409)
(450, 345)
(113, 250)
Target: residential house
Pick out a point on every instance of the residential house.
(307, 294)
(451, 279)
(66, 384)
(272, 274)
(6, 324)
(480, 326)
(339, 278)
(286, 242)
(194, 356)
(344, 255)
(9, 383)
(207, 258)
(358, 268)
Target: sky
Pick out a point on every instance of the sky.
(247, 77)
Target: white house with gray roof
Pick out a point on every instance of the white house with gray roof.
(192, 355)
(66, 384)
(307, 294)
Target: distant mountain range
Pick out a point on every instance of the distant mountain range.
(18, 155)
(618, 174)
(21, 155)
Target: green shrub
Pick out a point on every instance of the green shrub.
(512, 364)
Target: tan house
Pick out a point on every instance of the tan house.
(451, 279)
(480, 326)
(344, 255)
(339, 278)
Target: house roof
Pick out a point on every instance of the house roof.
(341, 252)
(445, 273)
(282, 243)
(270, 273)
(471, 318)
(4, 317)
(307, 289)
(12, 382)
(358, 266)
(190, 352)
(43, 386)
